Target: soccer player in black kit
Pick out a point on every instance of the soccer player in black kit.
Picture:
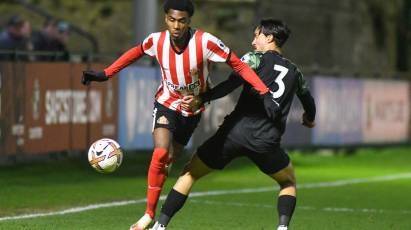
(251, 130)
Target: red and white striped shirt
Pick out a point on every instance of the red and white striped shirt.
(184, 72)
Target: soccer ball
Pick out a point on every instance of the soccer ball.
(105, 155)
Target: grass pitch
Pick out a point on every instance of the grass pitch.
(367, 190)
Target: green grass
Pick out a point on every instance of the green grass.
(58, 185)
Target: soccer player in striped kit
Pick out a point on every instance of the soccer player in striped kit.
(184, 54)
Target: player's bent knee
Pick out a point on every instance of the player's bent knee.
(160, 156)
(191, 172)
(195, 169)
(285, 179)
(287, 184)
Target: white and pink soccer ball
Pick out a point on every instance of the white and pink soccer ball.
(105, 155)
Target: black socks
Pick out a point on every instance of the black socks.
(173, 204)
(285, 207)
(175, 201)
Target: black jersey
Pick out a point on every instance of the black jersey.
(249, 124)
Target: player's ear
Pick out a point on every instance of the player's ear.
(270, 38)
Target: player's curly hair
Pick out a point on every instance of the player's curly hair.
(182, 5)
(277, 28)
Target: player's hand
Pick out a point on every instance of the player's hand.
(271, 106)
(90, 75)
(306, 122)
(190, 103)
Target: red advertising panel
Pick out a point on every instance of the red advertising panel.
(10, 130)
(79, 125)
(48, 112)
(61, 114)
(103, 107)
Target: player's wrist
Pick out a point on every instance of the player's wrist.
(308, 118)
(90, 75)
(197, 100)
(100, 76)
(307, 121)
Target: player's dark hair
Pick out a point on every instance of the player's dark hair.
(181, 5)
(277, 28)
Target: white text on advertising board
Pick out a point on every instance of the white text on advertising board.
(72, 106)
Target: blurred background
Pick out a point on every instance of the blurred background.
(354, 54)
(347, 36)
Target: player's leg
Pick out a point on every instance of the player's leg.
(176, 198)
(277, 165)
(184, 129)
(215, 153)
(157, 174)
(287, 196)
(174, 153)
(172, 132)
(164, 121)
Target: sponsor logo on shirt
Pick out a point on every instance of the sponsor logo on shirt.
(183, 88)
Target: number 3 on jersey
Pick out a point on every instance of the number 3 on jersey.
(279, 80)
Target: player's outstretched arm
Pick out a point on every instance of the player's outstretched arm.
(126, 59)
(247, 73)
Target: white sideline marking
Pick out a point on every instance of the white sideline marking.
(326, 209)
(213, 193)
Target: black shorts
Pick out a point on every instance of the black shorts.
(219, 150)
(181, 127)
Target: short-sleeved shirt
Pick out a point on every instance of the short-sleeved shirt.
(184, 72)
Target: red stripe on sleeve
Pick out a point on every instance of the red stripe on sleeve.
(247, 73)
(216, 49)
(126, 59)
(160, 45)
(149, 44)
(199, 57)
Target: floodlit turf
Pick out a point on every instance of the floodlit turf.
(59, 185)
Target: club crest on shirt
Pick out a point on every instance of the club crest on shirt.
(245, 58)
(221, 44)
(252, 59)
(193, 73)
(162, 120)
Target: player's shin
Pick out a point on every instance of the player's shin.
(157, 175)
(174, 202)
(285, 206)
